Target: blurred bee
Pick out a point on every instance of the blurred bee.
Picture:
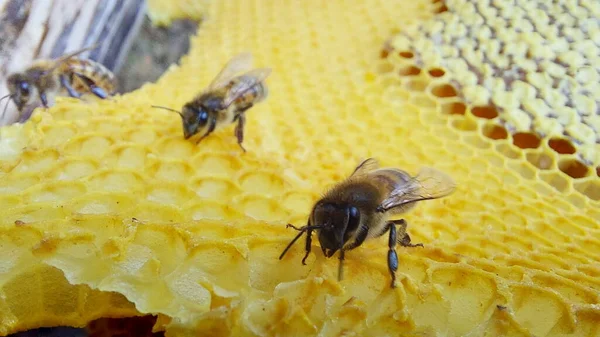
(358, 209)
(225, 100)
(47, 78)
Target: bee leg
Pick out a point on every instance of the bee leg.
(363, 232)
(98, 91)
(65, 83)
(403, 237)
(392, 255)
(211, 127)
(308, 246)
(239, 129)
(341, 266)
(93, 88)
(44, 99)
(308, 229)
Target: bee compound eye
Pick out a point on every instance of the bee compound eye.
(353, 212)
(203, 117)
(24, 87)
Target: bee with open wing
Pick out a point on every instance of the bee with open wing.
(359, 208)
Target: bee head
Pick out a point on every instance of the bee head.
(194, 119)
(339, 222)
(21, 89)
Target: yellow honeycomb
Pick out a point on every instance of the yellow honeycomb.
(109, 212)
(525, 74)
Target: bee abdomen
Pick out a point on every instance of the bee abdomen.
(98, 73)
(390, 179)
(255, 94)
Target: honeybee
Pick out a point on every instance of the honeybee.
(225, 100)
(47, 78)
(359, 208)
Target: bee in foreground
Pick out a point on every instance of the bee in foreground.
(45, 79)
(358, 209)
(225, 100)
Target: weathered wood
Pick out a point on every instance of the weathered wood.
(34, 29)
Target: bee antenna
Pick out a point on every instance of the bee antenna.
(301, 230)
(165, 108)
(64, 58)
(3, 97)
(7, 103)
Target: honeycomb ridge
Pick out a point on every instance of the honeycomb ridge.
(525, 70)
(108, 197)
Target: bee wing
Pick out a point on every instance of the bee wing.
(66, 57)
(239, 63)
(366, 166)
(428, 184)
(246, 82)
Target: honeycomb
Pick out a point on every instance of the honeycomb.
(524, 74)
(109, 213)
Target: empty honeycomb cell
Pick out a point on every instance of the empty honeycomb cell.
(458, 288)
(217, 164)
(142, 135)
(567, 227)
(393, 81)
(540, 160)
(553, 261)
(9, 201)
(590, 188)
(526, 310)
(59, 191)
(264, 183)
(170, 194)
(19, 183)
(174, 147)
(90, 146)
(213, 211)
(261, 208)
(561, 146)
(481, 143)
(214, 188)
(578, 199)
(32, 162)
(116, 181)
(573, 168)
(36, 212)
(464, 124)
(58, 134)
(74, 169)
(526, 140)
(568, 289)
(416, 85)
(396, 94)
(487, 112)
(494, 131)
(128, 156)
(385, 67)
(176, 171)
(420, 99)
(559, 182)
(102, 203)
(524, 169)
